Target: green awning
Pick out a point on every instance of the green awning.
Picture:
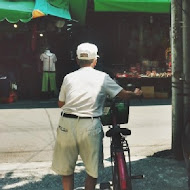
(147, 6)
(78, 10)
(14, 11)
(59, 3)
(43, 7)
(22, 10)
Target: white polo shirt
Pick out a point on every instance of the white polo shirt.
(84, 92)
(48, 61)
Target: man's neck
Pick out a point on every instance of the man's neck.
(87, 65)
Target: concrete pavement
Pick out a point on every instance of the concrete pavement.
(27, 133)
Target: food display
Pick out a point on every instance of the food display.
(155, 78)
(154, 75)
(158, 75)
(148, 73)
(146, 68)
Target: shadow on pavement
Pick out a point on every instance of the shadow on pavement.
(161, 172)
(164, 154)
(49, 181)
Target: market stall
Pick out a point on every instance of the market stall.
(155, 81)
(152, 87)
(134, 42)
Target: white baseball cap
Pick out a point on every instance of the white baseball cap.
(87, 51)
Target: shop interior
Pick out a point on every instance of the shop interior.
(21, 47)
(132, 46)
(135, 47)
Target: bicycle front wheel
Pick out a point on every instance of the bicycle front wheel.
(121, 179)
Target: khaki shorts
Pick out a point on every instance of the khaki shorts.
(78, 137)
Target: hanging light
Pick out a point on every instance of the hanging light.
(15, 26)
(60, 23)
(151, 19)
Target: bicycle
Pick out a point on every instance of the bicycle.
(121, 170)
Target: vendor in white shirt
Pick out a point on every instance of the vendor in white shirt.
(49, 74)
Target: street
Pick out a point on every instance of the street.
(142, 44)
(28, 136)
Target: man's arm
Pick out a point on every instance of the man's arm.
(124, 94)
(60, 104)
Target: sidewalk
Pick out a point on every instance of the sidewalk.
(27, 139)
(160, 173)
(52, 103)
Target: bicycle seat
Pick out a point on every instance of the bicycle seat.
(116, 131)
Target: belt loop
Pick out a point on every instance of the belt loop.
(78, 119)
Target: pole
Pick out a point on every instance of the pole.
(177, 72)
(186, 57)
(186, 65)
(186, 52)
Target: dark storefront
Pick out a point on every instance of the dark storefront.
(134, 45)
(24, 39)
(20, 53)
(130, 43)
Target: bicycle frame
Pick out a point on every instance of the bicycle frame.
(121, 174)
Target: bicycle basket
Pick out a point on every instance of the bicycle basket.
(121, 116)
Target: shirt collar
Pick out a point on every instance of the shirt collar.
(85, 68)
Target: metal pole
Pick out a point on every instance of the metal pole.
(186, 65)
(177, 71)
(186, 53)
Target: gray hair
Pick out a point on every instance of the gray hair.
(83, 62)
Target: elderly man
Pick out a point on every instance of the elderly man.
(81, 98)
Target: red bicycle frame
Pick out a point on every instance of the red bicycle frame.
(117, 153)
(123, 174)
(121, 170)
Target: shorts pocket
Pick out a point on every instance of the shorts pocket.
(95, 128)
(63, 135)
(63, 129)
(63, 125)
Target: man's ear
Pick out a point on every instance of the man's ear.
(94, 62)
(77, 61)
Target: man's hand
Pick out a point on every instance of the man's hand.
(123, 94)
(138, 92)
(60, 104)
